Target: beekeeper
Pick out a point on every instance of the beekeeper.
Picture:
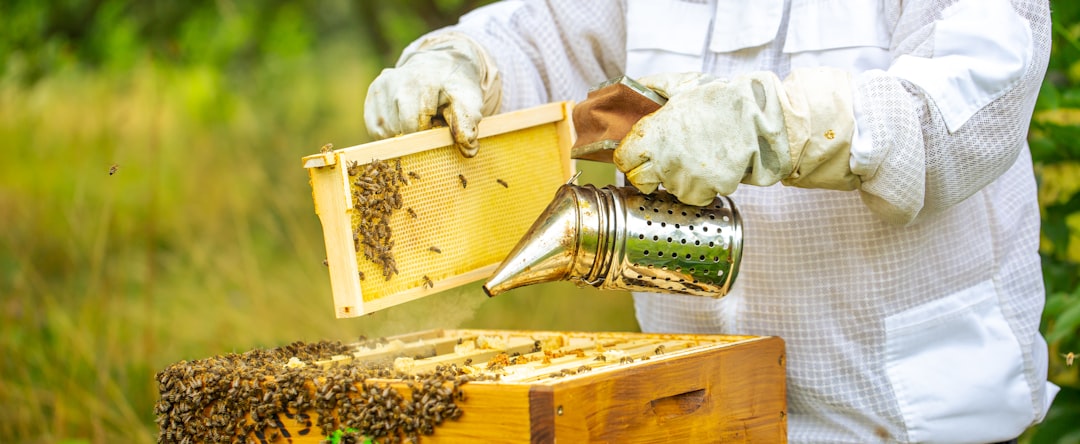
(892, 236)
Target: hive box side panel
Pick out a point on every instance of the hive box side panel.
(731, 393)
(494, 413)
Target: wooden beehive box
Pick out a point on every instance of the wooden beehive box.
(527, 386)
(441, 220)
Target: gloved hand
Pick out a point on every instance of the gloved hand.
(714, 134)
(447, 76)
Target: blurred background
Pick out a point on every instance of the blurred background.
(153, 207)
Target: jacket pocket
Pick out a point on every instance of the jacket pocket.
(665, 36)
(852, 35)
(957, 370)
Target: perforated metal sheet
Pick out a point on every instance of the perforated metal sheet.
(461, 229)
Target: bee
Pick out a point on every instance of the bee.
(361, 274)
(327, 148)
(503, 183)
(1069, 358)
(600, 358)
(435, 249)
(626, 360)
(413, 175)
(427, 282)
(464, 183)
(365, 182)
(354, 168)
(659, 349)
(113, 169)
(411, 212)
(584, 368)
(468, 361)
(326, 262)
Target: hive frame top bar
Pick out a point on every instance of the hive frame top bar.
(524, 156)
(440, 137)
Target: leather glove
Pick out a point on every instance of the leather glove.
(714, 134)
(448, 76)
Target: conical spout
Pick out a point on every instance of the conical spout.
(550, 249)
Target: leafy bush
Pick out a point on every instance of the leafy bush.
(1055, 147)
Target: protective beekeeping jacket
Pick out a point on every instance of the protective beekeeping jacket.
(910, 307)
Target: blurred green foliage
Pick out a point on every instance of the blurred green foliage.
(1055, 147)
(204, 241)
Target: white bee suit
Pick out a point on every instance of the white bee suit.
(910, 307)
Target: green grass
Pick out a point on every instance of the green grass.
(204, 242)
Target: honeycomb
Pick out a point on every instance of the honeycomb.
(450, 220)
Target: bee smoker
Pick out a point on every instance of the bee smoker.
(619, 238)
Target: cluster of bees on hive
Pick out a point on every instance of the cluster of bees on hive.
(376, 194)
(250, 397)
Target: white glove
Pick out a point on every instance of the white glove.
(448, 75)
(713, 134)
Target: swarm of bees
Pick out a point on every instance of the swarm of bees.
(250, 397)
(376, 190)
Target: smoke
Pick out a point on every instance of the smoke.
(448, 309)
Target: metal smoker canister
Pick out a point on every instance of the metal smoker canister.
(620, 238)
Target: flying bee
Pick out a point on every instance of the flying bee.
(1069, 358)
(427, 282)
(327, 148)
(464, 183)
(113, 169)
(326, 262)
(503, 183)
